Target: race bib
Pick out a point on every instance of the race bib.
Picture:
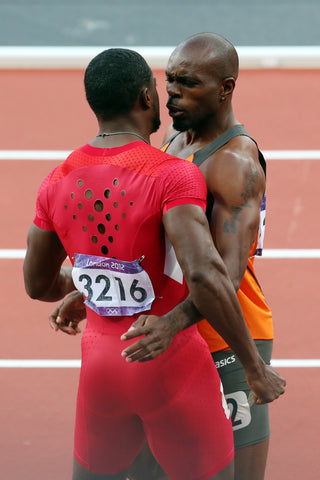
(112, 287)
(239, 409)
(262, 227)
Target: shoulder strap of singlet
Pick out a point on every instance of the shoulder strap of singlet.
(169, 140)
(212, 147)
(219, 142)
(222, 140)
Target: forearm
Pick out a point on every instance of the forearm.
(236, 269)
(183, 315)
(227, 320)
(209, 284)
(62, 286)
(234, 252)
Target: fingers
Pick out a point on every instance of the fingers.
(140, 322)
(156, 334)
(54, 315)
(58, 321)
(135, 352)
(69, 330)
(269, 395)
(142, 351)
(278, 382)
(134, 332)
(268, 387)
(67, 326)
(141, 355)
(136, 328)
(67, 315)
(253, 398)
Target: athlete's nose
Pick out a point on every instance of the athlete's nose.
(172, 89)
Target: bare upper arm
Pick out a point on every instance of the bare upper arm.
(44, 257)
(237, 182)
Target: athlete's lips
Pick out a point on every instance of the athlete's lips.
(174, 111)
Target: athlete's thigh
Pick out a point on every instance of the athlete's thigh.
(146, 466)
(250, 422)
(250, 462)
(81, 473)
(108, 434)
(192, 436)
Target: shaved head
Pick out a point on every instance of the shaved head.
(201, 76)
(213, 50)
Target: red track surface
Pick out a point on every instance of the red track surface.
(47, 110)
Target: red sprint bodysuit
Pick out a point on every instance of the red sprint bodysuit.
(106, 206)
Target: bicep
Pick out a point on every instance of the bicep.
(235, 221)
(44, 257)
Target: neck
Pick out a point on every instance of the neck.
(110, 134)
(211, 130)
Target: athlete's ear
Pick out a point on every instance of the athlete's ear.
(228, 85)
(145, 98)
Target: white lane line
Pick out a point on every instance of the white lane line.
(296, 362)
(34, 154)
(12, 253)
(291, 154)
(54, 363)
(62, 154)
(290, 253)
(16, 253)
(39, 363)
(261, 57)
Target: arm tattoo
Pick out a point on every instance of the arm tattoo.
(230, 226)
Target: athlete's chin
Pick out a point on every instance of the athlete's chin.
(180, 125)
(156, 124)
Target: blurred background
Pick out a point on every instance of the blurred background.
(155, 23)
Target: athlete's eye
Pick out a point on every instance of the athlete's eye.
(188, 82)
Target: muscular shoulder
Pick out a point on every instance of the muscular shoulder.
(183, 173)
(235, 169)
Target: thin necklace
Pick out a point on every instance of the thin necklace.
(121, 133)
